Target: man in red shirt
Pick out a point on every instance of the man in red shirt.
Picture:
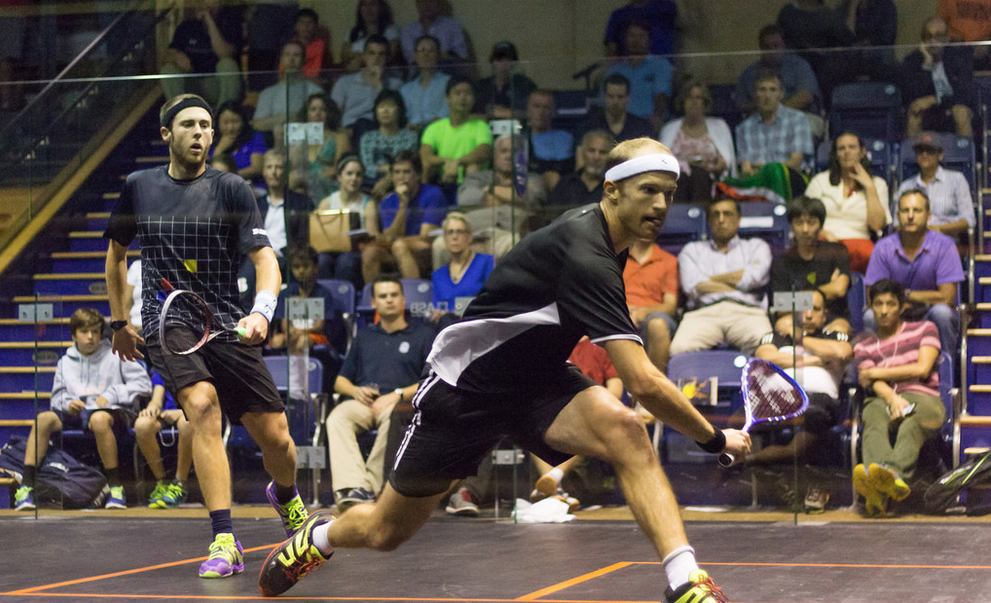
(651, 279)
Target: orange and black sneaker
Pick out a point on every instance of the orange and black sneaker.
(294, 558)
(699, 589)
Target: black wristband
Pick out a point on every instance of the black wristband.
(716, 444)
(117, 325)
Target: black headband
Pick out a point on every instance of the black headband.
(184, 104)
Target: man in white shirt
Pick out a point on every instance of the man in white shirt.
(281, 102)
(951, 206)
(724, 280)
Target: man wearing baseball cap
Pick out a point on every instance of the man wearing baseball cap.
(951, 205)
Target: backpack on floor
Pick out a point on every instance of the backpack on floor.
(62, 480)
(944, 491)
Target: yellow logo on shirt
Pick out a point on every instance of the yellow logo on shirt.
(191, 265)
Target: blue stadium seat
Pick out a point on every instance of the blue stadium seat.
(765, 220)
(870, 109)
(856, 299)
(684, 223)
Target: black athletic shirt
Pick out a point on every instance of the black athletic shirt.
(557, 284)
(193, 233)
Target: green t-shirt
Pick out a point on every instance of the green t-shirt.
(454, 143)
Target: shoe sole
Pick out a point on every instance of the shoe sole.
(25, 507)
(278, 549)
(237, 569)
(546, 486)
(884, 481)
(114, 506)
(461, 512)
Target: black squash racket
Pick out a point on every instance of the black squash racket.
(196, 309)
(769, 395)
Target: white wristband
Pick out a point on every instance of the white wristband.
(265, 304)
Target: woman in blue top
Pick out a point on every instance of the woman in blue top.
(237, 138)
(464, 275)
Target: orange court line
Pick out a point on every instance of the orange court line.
(307, 598)
(567, 583)
(28, 591)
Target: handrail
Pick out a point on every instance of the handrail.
(7, 131)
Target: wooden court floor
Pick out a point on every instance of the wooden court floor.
(602, 556)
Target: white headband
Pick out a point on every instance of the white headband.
(658, 162)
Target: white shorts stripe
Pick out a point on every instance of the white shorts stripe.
(429, 382)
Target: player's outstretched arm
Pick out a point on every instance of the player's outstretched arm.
(664, 400)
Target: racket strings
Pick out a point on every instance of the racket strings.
(772, 395)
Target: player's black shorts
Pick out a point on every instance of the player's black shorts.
(237, 371)
(452, 430)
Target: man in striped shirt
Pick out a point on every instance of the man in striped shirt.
(897, 367)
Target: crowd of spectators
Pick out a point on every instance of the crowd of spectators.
(445, 173)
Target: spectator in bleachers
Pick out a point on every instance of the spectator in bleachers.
(315, 164)
(775, 133)
(801, 90)
(453, 47)
(969, 21)
(372, 18)
(457, 145)
(160, 413)
(346, 265)
(551, 150)
(408, 217)
(649, 75)
(874, 24)
(464, 275)
(94, 390)
(208, 41)
(380, 145)
(236, 137)
(281, 102)
(284, 213)
(424, 95)
(724, 280)
(651, 279)
(703, 145)
(224, 163)
(503, 94)
(949, 193)
(660, 16)
(585, 185)
(489, 200)
(938, 84)
(270, 26)
(317, 55)
(325, 338)
(814, 30)
(382, 369)
(813, 262)
(925, 262)
(815, 356)
(355, 93)
(856, 202)
(897, 368)
(613, 116)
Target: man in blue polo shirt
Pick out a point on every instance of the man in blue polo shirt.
(381, 370)
(926, 262)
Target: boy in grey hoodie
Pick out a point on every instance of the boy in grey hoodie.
(95, 390)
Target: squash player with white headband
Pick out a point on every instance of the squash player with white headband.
(194, 225)
(502, 372)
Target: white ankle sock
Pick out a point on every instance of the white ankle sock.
(557, 474)
(320, 539)
(679, 565)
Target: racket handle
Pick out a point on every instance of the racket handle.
(726, 459)
(241, 332)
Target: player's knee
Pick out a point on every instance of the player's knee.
(626, 429)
